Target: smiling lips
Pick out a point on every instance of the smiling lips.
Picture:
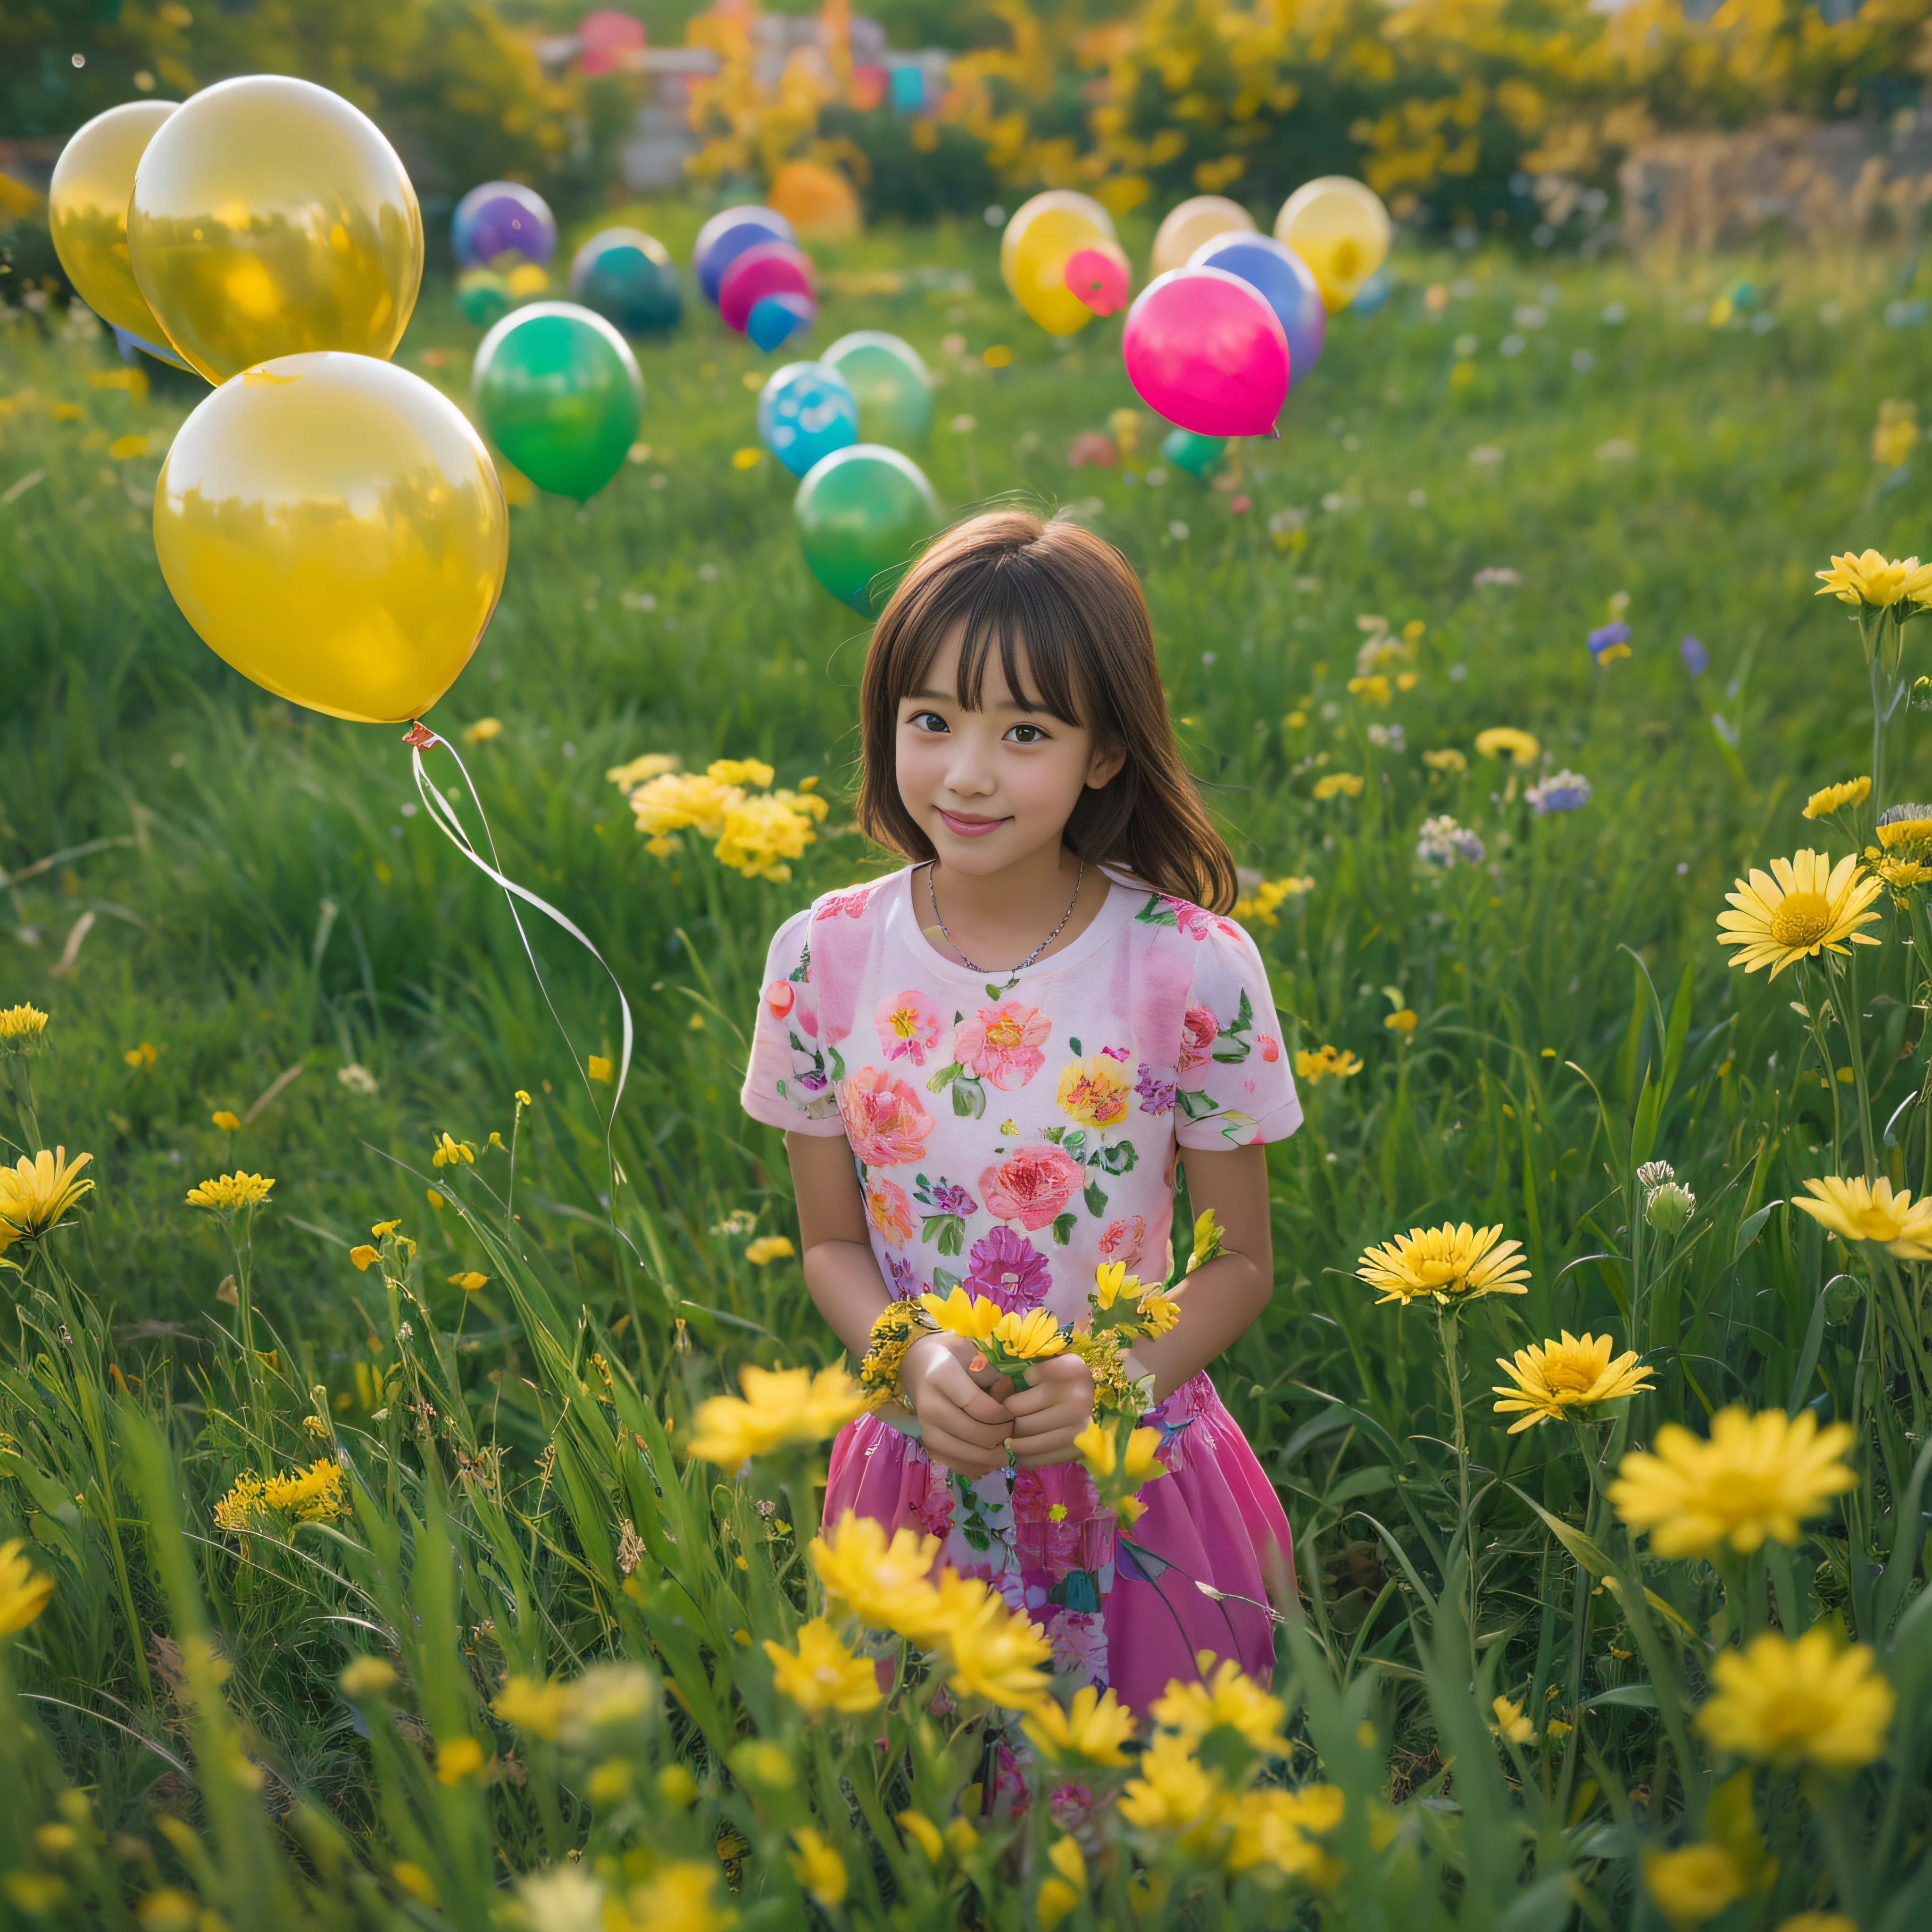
(968, 827)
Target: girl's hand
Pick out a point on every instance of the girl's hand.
(1048, 1413)
(961, 1425)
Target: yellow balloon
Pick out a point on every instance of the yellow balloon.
(1192, 223)
(87, 211)
(1039, 269)
(1341, 230)
(1069, 200)
(333, 527)
(270, 217)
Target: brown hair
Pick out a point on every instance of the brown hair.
(1072, 603)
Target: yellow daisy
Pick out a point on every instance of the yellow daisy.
(1906, 829)
(1453, 1264)
(1755, 1477)
(35, 1194)
(1802, 907)
(1876, 581)
(1785, 1703)
(227, 1194)
(1502, 741)
(1551, 1378)
(1836, 797)
(1868, 1210)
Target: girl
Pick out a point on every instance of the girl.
(987, 1066)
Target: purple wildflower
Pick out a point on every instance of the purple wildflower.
(1156, 1090)
(1610, 643)
(1697, 659)
(1007, 1268)
(1562, 791)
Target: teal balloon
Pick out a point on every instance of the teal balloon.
(482, 296)
(559, 394)
(627, 276)
(861, 511)
(1196, 454)
(894, 391)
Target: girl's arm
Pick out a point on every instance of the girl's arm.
(1219, 1302)
(961, 1425)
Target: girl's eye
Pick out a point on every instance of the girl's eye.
(1027, 734)
(927, 721)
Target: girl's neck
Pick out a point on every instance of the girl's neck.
(996, 919)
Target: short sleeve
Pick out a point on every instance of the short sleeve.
(1234, 1087)
(787, 1084)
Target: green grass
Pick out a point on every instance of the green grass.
(256, 900)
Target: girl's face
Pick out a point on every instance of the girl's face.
(993, 787)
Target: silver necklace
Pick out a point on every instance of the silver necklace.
(1014, 973)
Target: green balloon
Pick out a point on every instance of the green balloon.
(894, 391)
(860, 510)
(481, 296)
(559, 394)
(1196, 454)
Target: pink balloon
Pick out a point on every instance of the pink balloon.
(1097, 279)
(1204, 350)
(770, 268)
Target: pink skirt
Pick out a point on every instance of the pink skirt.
(1122, 1611)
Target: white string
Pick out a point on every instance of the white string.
(444, 815)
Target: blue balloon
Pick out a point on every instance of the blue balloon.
(805, 412)
(776, 319)
(725, 237)
(1284, 281)
(499, 219)
(1372, 294)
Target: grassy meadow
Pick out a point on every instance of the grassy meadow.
(235, 912)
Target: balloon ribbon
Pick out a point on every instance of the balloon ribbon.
(420, 738)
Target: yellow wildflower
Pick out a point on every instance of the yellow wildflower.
(1100, 1451)
(469, 1281)
(740, 771)
(975, 1316)
(675, 802)
(448, 1152)
(1511, 1723)
(539, 1708)
(1054, 1899)
(1549, 1380)
(1403, 1021)
(1803, 906)
(229, 1122)
(1372, 689)
(1868, 1210)
(1030, 1337)
(314, 1494)
(821, 1674)
(780, 1406)
(1875, 582)
(1895, 434)
(759, 833)
(1501, 741)
(457, 1759)
(679, 1896)
(484, 731)
(1448, 759)
(887, 1585)
(22, 1028)
(995, 1654)
(368, 1677)
(1257, 906)
(1091, 1730)
(1836, 797)
(817, 1866)
(1173, 1792)
(35, 1194)
(24, 1595)
(1112, 1283)
(767, 1249)
(1694, 1884)
(1271, 1833)
(1454, 1264)
(924, 1833)
(1326, 1063)
(363, 1257)
(1757, 1476)
(642, 770)
(1906, 829)
(1338, 784)
(228, 1194)
(1159, 1311)
(1785, 1703)
(1229, 1699)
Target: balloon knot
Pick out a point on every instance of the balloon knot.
(420, 735)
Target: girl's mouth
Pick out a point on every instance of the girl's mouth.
(967, 827)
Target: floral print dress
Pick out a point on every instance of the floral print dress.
(1010, 1139)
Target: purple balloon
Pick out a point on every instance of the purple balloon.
(1204, 350)
(503, 218)
(1286, 283)
(725, 237)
